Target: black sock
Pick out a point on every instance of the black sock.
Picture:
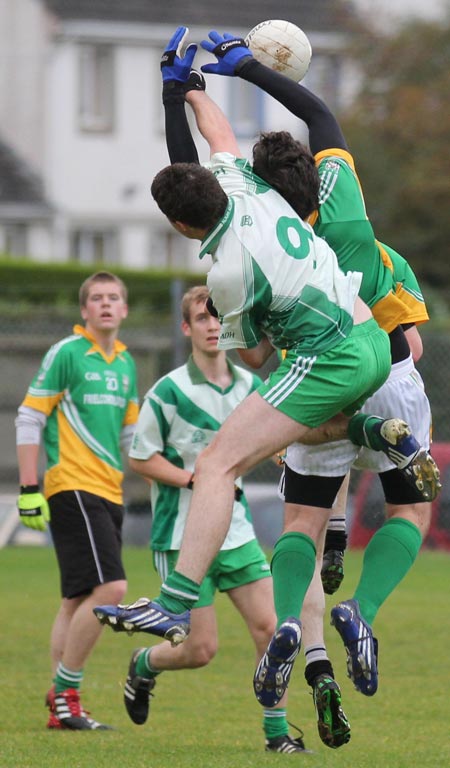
(316, 668)
(335, 540)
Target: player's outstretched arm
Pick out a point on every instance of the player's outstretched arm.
(234, 58)
(212, 124)
(324, 129)
(178, 77)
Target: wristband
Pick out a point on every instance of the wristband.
(190, 484)
(242, 63)
(29, 489)
(173, 88)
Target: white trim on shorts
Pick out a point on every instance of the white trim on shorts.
(283, 388)
(402, 395)
(161, 561)
(90, 534)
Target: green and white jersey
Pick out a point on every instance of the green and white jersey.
(179, 417)
(271, 275)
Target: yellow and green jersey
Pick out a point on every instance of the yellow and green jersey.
(87, 398)
(342, 221)
(407, 287)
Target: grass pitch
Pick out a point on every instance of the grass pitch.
(209, 717)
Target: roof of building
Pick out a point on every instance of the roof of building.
(18, 183)
(320, 15)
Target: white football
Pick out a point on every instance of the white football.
(282, 46)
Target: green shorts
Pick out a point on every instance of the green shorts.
(230, 568)
(313, 389)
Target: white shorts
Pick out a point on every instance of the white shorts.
(402, 395)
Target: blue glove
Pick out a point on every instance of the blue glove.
(173, 65)
(229, 51)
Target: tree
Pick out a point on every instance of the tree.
(398, 128)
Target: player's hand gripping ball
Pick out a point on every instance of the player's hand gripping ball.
(229, 51)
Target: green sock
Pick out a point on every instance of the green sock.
(293, 563)
(143, 665)
(275, 723)
(67, 678)
(365, 430)
(387, 559)
(178, 593)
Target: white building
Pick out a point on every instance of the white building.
(81, 118)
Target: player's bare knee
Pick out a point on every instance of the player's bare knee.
(112, 592)
(263, 630)
(213, 463)
(201, 654)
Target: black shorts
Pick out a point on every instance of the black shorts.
(86, 532)
(311, 490)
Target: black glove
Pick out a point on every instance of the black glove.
(196, 82)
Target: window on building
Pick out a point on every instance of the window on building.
(15, 239)
(169, 251)
(324, 79)
(96, 88)
(94, 246)
(245, 108)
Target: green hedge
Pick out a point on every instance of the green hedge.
(29, 283)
